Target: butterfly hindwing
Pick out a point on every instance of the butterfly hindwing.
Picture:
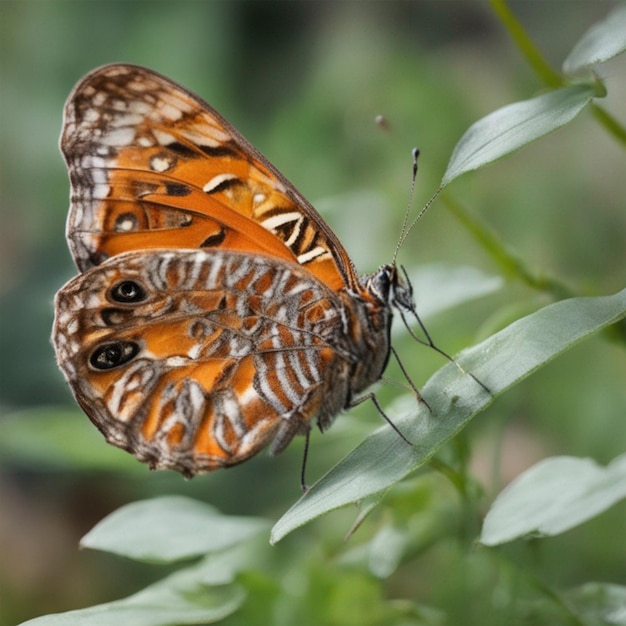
(194, 359)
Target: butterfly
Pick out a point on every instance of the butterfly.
(214, 312)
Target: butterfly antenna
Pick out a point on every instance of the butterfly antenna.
(407, 229)
(403, 232)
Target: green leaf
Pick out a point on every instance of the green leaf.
(502, 132)
(553, 496)
(499, 362)
(601, 42)
(185, 597)
(169, 528)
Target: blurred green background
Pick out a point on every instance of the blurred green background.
(304, 82)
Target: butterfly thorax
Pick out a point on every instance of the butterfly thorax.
(365, 337)
(381, 291)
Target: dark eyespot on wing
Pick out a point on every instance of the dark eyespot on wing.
(128, 292)
(110, 355)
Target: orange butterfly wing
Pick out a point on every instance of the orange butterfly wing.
(192, 371)
(215, 310)
(153, 166)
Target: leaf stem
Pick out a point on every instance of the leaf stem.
(511, 264)
(456, 478)
(541, 67)
(610, 124)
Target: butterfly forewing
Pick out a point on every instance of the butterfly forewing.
(152, 165)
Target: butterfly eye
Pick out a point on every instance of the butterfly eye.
(112, 355)
(128, 291)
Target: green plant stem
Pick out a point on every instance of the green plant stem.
(611, 125)
(466, 487)
(451, 474)
(541, 67)
(511, 264)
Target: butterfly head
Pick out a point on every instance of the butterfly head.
(389, 286)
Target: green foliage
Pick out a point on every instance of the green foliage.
(143, 530)
(454, 399)
(553, 496)
(189, 596)
(551, 545)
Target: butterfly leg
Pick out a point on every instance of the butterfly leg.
(372, 396)
(431, 344)
(414, 389)
(305, 456)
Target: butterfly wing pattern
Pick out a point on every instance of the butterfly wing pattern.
(214, 312)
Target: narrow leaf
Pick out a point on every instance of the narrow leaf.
(601, 42)
(502, 132)
(168, 529)
(553, 496)
(499, 362)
